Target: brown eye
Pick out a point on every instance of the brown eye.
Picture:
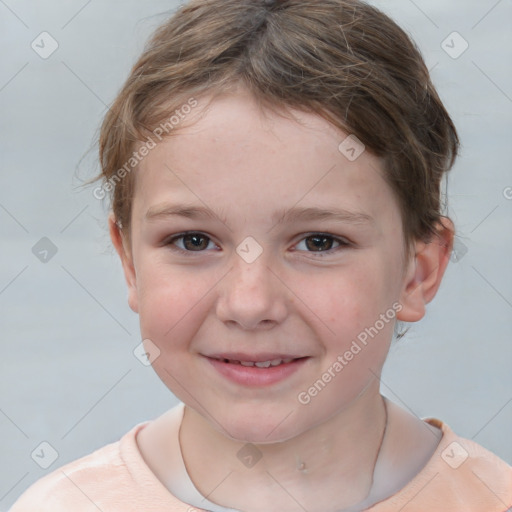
(192, 242)
(319, 242)
(322, 243)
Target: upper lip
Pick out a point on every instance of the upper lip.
(256, 358)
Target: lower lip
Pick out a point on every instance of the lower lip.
(256, 377)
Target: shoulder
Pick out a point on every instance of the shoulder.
(81, 485)
(461, 475)
(477, 472)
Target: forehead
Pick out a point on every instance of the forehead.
(234, 157)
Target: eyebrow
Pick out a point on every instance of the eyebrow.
(280, 217)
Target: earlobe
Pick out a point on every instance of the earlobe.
(425, 272)
(126, 260)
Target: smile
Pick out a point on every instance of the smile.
(260, 373)
(259, 364)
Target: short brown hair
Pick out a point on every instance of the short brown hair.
(341, 59)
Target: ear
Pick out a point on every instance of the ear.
(118, 240)
(425, 272)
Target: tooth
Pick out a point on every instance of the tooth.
(287, 361)
(276, 362)
(246, 363)
(263, 364)
(233, 361)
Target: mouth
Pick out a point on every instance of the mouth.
(260, 364)
(256, 370)
(265, 360)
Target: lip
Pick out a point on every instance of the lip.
(256, 358)
(252, 376)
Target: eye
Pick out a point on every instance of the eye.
(192, 242)
(322, 243)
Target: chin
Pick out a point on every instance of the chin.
(258, 429)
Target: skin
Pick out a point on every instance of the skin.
(245, 165)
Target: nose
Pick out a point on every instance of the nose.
(252, 295)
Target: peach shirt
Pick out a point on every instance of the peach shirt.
(461, 476)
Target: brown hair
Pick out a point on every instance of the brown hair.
(341, 59)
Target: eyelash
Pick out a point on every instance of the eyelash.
(342, 243)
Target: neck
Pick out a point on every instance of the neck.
(336, 459)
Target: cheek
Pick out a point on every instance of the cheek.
(357, 342)
(358, 308)
(168, 303)
(171, 310)
(352, 299)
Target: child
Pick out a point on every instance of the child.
(263, 129)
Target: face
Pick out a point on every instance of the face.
(254, 280)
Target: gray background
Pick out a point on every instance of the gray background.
(68, 373)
